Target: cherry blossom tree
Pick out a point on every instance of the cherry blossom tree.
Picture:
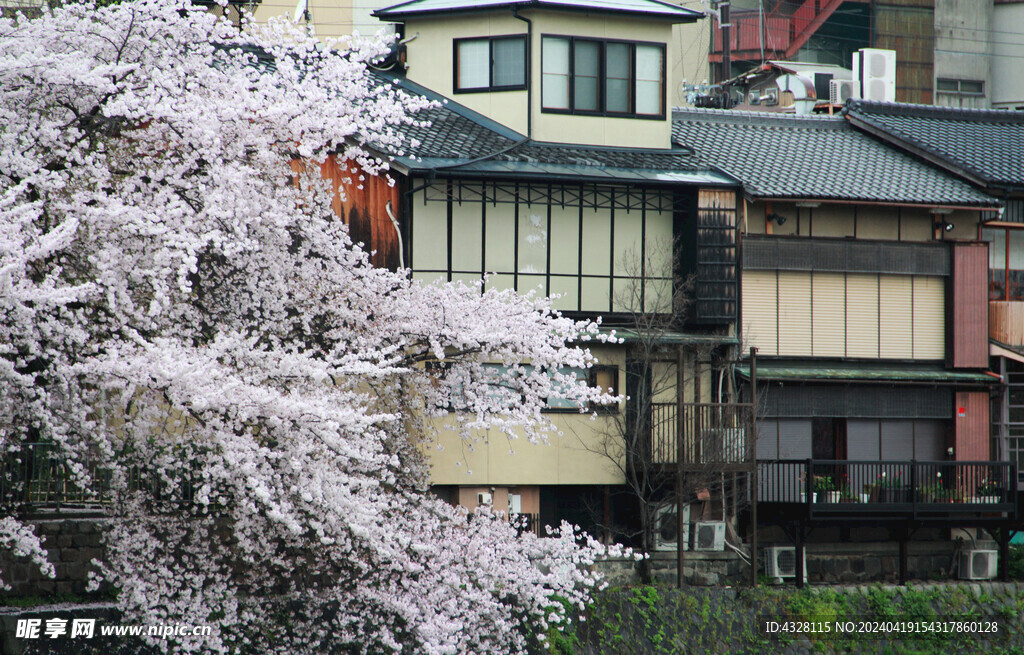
(182, 312)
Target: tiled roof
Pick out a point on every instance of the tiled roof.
(814, 157)
(648, 8)
(985, 145)
(458, 138)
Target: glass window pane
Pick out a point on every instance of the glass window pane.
(617, 72)
(648, 80)
(586, 63)
(617, 99)
(971, 86)
(946, 85)
(474, 64)
(555, 74)
(509, 62)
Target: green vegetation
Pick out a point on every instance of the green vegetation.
(662, 620)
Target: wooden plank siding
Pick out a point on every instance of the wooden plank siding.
(968, 345)
(972, 426)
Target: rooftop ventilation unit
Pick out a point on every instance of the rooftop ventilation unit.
(875, 69)
(780, 562)
(666, 533)
(839, 91)
(709, 535)
(976, 564)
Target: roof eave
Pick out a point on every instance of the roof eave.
(402, 16)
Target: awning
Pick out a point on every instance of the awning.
(671, 338)
(846, 372)
(996, 349)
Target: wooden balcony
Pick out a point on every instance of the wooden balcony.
(950, 492)
(716, 435)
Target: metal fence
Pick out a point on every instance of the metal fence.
(40, 475)
(906, 486)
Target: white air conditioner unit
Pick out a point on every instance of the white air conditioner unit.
(976, 564)
(875, 70)
(483, 498)
(723, 445)
(709, 535)
(839, 91)
(780, 562)
(666, 534)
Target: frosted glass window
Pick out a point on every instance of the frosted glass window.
(555, 77)
(617, 69)
(490, 64)
(648, 80)
(509, 68)
(614, 78)
(586, 91)
(474, 64)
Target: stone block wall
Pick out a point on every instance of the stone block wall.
(72, 543)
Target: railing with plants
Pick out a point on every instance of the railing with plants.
(903, 486)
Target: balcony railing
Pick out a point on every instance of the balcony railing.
(37, 475)
(919, 489)
(714, 433)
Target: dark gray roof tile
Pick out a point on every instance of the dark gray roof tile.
(983, 143)
(814, 157)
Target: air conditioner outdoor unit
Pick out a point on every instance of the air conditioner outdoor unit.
(976, 564)
(839, 91)
(483, 498)
(666, 534)
(875, 69)
(709, 535)
(780, 562)
(724, 445)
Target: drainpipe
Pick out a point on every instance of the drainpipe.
(529, 70)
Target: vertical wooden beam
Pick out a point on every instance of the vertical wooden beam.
(680, 424)
(904, 555)
(1004, 554)
(752, 452)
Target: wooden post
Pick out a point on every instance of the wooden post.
(1004, 554)
(904, 555)
(680, 425)
(752, 451)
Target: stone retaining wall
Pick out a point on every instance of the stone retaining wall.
(72, 543)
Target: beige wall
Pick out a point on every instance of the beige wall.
(801, 314)
(495, 460)
(430, 59)
(861, 221)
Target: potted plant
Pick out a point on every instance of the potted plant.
(891, 489)
(870, 494)
(825, 488)
(987, 492)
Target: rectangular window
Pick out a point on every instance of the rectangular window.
(611, 78)
(490, 64)
(960, 87)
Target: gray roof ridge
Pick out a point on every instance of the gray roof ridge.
(900, 138)
(912, 110)
(674, 150)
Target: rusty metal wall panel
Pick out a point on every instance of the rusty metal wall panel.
(972, 426)
(969, 298)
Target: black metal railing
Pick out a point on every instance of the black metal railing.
(914, 487)
(714, 433)
(39, 475)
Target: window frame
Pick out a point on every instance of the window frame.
(603, 78)
(490, 69)
(959, 90)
